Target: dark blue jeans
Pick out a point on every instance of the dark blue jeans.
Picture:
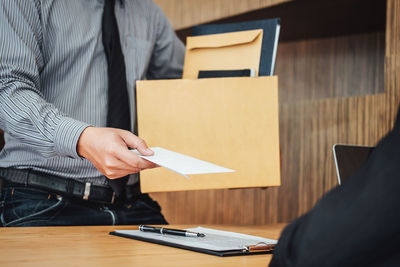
(21, 206)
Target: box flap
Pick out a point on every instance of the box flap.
(222, 39)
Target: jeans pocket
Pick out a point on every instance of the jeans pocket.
(143, 210)
(28, 207)
(146, 203)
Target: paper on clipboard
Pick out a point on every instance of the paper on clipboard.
(216, 242)
(182, 164)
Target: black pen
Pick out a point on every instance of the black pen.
(169, 231)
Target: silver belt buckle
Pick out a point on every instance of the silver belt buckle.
(87, 191)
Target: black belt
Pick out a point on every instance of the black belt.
(59, 185)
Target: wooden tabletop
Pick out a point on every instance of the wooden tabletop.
(93, 246)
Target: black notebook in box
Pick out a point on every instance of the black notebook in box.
(271, 29)
(226, 73)
(215, 242)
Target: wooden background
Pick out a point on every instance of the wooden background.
(338, 64)
(338, 67)
(186, 13)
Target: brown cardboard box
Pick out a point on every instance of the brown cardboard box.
(231, 122)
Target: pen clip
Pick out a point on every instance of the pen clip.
(261, 246)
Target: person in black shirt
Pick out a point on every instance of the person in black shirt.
(355, 224)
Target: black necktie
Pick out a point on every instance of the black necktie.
(118, 115)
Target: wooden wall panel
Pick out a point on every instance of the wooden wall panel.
(337, 66)
(393, 28)
(339, 89)
(392, 57)
(185, 13)
(308, 19)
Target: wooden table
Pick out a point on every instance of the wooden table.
(93, 246)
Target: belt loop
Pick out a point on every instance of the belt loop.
(87, 191)
(27, 177)
(113, 198)
(70, 187)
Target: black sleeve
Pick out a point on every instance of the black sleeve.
(356, 224)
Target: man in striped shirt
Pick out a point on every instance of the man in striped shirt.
(53, 110)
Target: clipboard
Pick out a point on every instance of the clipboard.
(217, 242)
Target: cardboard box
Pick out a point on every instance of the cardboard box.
(232, 122)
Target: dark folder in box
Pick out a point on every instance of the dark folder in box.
(270, 27)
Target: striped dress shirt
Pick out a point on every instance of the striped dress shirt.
(53, 75)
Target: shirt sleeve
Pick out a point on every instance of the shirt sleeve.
(24, 113)
(169, 52)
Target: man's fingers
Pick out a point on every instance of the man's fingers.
(122, 153)
(149, 164)
(116, 174)
(136, 142)
(131, 158)
(114, 168)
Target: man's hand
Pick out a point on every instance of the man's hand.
(107, 149)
